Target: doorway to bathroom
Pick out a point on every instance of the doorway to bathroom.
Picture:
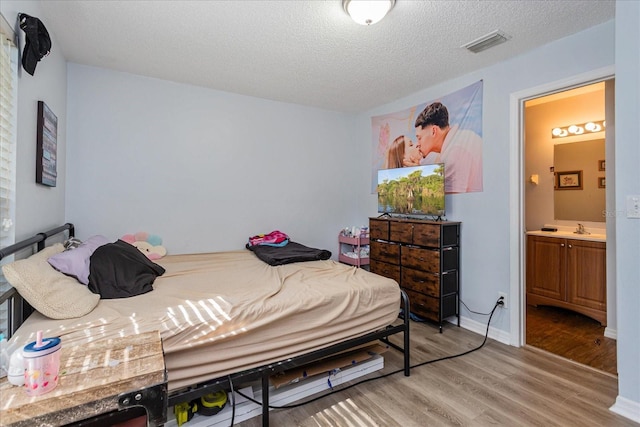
(565, 146)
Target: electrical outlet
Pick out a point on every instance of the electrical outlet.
(633, 206)
(504, 299)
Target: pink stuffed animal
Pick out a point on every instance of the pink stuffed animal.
(148, 244)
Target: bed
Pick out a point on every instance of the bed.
(230, 317)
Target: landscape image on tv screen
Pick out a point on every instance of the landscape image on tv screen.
(417, 190)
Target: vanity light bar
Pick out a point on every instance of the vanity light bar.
(573, 130)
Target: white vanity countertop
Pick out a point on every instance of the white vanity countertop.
(595, 234)
(569, 235)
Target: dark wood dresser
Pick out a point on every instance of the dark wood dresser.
(424, 258)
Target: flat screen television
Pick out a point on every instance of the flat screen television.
(412, 191)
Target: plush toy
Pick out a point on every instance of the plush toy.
(148, 244)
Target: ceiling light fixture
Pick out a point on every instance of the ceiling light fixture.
(579, 129)
(367, 12)
(492, 39)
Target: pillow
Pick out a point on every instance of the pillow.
(50, 292)
(75, 262)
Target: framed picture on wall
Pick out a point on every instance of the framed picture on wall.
(47, 146)
(601, 165)
(570, 180)
(602, 183)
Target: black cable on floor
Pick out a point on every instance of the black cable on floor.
(296, 405)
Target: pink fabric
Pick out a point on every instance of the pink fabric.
(272, 238)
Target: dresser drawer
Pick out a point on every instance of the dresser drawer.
(378, 229)
(450, 259)
(420, 258)
(426, 235)
(424, 306)
(392, 271)
(401, 232)
(449, 280)
(414, 233)
(449, 306)
(386, 252)
(420, 281)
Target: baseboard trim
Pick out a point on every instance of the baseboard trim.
(481, 329)
(627, 408)
(611, 333)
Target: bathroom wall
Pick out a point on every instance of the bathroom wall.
(541, 116)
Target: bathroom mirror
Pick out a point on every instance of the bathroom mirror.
(580, 186)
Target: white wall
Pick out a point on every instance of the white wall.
(204, 169)
(627, 178)
(48, 84)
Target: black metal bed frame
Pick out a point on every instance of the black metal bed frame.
(19, 310)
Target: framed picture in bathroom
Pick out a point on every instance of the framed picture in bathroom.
(569, 180)
(602, 182)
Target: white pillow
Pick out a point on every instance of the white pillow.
(50, 292)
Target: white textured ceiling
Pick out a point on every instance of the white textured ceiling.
(307, 52)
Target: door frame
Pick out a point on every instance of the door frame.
(517, 230)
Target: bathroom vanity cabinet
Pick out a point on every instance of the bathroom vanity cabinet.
(567, 273)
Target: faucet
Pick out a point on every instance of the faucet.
(581, 230)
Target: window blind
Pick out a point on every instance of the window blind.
(8, 98)
(8, 109)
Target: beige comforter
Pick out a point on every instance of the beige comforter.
(225, 312)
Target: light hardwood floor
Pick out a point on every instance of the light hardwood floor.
(496, 385)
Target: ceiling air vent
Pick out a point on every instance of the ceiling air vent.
(492, 39)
